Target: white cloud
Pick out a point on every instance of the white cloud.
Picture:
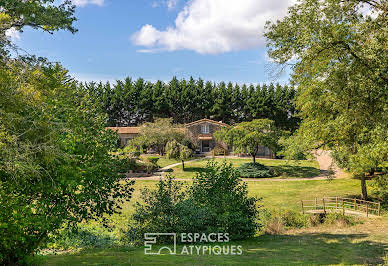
(216, 26)
(13, 34)
(171, 4)
(88, 2)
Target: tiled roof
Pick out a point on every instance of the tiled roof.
(207, 120)
(126, 130)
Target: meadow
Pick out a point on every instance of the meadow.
(364, 243)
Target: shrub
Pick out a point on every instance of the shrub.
(219, 150)
(255, 170)
(153, 160)
(219, 190)
(83, 236)
(216, 202)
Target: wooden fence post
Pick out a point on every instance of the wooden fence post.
(302, 207)
(324, 208)
(336, 203)
(316, 204)
(378, 209)
(343, 207)
(355, 204)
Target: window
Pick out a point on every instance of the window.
(205, 129)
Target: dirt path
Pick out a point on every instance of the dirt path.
(325, 162)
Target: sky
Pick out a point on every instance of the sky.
(217, 40)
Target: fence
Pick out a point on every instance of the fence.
(353, 206)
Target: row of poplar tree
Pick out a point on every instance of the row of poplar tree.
(132, 102)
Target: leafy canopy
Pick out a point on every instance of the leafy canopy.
(56, 162)
(338, 55)
(249, 137)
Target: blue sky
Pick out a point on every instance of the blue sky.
(218, 40)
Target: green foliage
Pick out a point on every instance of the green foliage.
(248, 137)
(220, 190)
(255, 170)
(179, 151)
(280, 220)
(46, 15)
(153, 160)
(340, 67)
(219, 150)
(217, 201)
(82, 236)
(57, 162)
(130, 102)
(156, 135)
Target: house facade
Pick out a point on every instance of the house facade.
(126, 133)
(200, 132)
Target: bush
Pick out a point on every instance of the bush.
(219, 150)
(83, 236)
(277, 222)
(255, 170)
(216, 202)
(153, 160)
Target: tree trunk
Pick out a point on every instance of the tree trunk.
(254, 158)
(183, 165)
(363, 187)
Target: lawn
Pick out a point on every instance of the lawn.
(163, 160)
(360, 244)
(324, 246)
(288, 168)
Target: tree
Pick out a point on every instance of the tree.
(248, 137)
(178, 151)
(159, 133)
(217, 201)
(56, 158)
(46, 15)
(339, 58)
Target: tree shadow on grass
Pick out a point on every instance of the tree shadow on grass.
(303, 248)
(195, 169)
(295, 171)
(318, 248)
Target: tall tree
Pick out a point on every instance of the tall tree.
(340, 67)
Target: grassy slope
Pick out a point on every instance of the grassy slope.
(327, 245)
(290, 169)
(359, 244)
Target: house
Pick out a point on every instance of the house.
(126, 133)
(201, 132)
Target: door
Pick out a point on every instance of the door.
(205, 145)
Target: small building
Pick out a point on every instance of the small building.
(126, 133)
(201, 132)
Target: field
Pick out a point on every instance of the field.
(365, 243)
(324, 246)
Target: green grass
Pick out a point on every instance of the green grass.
(360, 244)
(163, 160)
(287, 168)
(303, 248)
